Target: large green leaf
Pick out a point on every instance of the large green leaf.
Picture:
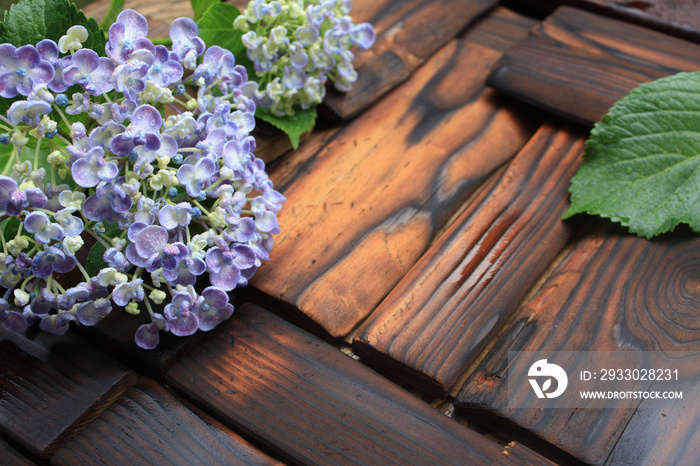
(201, 6)
(30, 21)
(216, 28)
(294, 125)
(641, 164)
(6, 158)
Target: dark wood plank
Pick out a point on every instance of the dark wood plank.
(52, 387)
(408, 33)
(676, 17)
(311, 404)
(10, 456)
(578, 64)
(665, 432)
(366, 205)
(500, 29)
(148, 425)
(516, 453)
(115, 335)
(612, 292)
(438, 317)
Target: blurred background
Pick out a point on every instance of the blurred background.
(5, 5)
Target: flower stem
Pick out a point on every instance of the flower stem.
(63, 117)
(83, 271)
(97, 237)
(147, 302)
(2, 238)
(196, 202)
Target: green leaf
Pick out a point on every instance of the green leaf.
(294, 126)
(5, 159)
(216, 28)
(115, 7)
(29, 153)
(201, 6)
(641, 164)
(95, 259)
(30, 21)
(9, 227)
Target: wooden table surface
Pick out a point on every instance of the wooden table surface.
(421, 242)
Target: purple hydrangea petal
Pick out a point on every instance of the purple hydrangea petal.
(147, 118)
(65, 264)
(97, 208)
(125, 292)
(134, 230)
(213, 316)
(363, 35)
(244, 256)
(196, 177)
(56, 324)
(92, 312)
(151, 240)
(186, 43)
(29, 112)
(170, 216)
(13, 321)
(223, 272)
(135, 24)
(147, 336)
(127, 37)
(36, 221)
(7, 58)
(186, 272)
(133, 256)
(181, 314)
(294, 78)
(183, 325)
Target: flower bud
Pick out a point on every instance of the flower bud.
(72, 244)
(157, 296)
(132, 308)
(17, 245)
(18, 138)
(118, 243)
(241, 24)
(73, 40)
(21, 297)
(27, 184)
(163, 162)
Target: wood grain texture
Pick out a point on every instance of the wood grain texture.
(665, 432)
(438, 317)
(148, 425)
(500, 29)
(311, 404)
(52, 386)
(408, 33)
(115, 335)
(612, 292)
(516, 453)
(578, 64)
(10, 456)
(680, 18)
(366, 205)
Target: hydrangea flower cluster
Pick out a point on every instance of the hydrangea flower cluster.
(145, 153)
(297, 45)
